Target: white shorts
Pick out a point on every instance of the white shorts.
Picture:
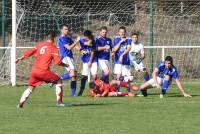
(86, 70)
(159, 80)
(137, 67)
(104, 64)
(70, 62)
(124, 70)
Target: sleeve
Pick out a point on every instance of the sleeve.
(111, 44)
(160, 65)
(129, 41)
(142, 49)
(81, 44)
(116, 41)
(175, 75)
(30, 52)
(95, 44)
(56, 56)
(91, 93)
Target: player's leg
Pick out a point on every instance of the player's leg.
(104, 66)
(26, 94)
(94, 70)
(165, 84)
(33, 82)
(126, 73)
(85, 72)
(73, 73)
(117, 72)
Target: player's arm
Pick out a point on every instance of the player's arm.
(124, 53)
(57, 59)
(70, 47)
(142, 54)
(104, 93)
(27, 54)
(180, 87)
(116, 47)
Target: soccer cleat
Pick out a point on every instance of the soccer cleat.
(51, 85)
(140, 95)
(161, 96)
(19, 105)
(60, 104)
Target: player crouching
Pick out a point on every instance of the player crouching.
(100, 89)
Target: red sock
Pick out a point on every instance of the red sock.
(124, 84)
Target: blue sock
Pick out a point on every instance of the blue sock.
(146, 77)
(165, 86)
(65, 76)
(103, 77)
(82, 87)
(73, 88)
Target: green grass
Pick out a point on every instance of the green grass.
(172, 115)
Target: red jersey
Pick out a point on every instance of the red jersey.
(102, 87)
(44, 52)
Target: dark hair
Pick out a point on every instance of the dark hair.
(136, 34)
(88, 34)
(169, 58)
(51, 35)
(122, 27)
(64, 25)
(92, 85)
(104, 28)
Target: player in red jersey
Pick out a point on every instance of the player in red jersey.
(100, 89)
(45, 52)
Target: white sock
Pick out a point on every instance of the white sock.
(25, 95)
(59, 93)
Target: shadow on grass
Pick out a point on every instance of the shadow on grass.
(180, 95)
(85, 104)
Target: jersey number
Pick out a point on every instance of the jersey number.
(42, 50)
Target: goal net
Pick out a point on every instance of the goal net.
(175, 23)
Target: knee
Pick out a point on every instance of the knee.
(167, 77)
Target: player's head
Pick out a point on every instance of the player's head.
(122, 31)
(51, 35)
(88, 35)
(168, 61)
(93, 86)
(134, 37)
(65, 29)
(103, 31)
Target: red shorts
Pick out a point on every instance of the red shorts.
(38, 77)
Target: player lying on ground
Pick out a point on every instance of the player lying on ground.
(162, 77)
(45, 52)
(98, 88)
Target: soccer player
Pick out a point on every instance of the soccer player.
(136, 55)
(88, 47)
(122, 46)
(104, 49)
(66, 44)
(45, 52)
(162, 77)
(100, 89)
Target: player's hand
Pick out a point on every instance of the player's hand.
(89, 64)
(83, 52)
(78, 38)
(123, 40)
(98, 95)
(139, 60)
(186, 95)
(18, 59)
(121, 58)
(107, 47)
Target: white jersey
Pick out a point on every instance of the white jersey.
(136, 50)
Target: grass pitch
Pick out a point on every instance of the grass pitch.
(173, 114)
